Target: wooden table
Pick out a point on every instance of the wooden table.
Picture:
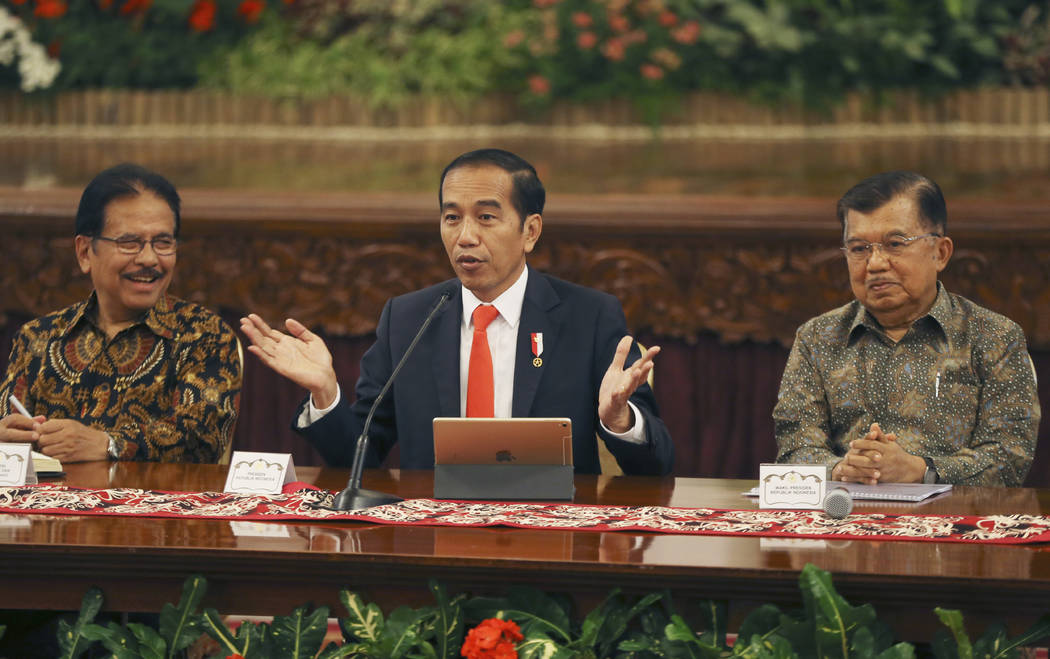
(269, 568)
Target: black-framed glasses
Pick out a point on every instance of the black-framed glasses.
(161, 245)
(861, 250)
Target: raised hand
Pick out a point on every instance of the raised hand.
(618, 385)
(301, 356)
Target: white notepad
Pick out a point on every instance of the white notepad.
(46, 465)
(884, 491)
(893, 491)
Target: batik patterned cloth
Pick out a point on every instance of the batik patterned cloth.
(959, 388)
(305, 503)
(166, 388)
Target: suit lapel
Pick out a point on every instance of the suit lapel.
(444, 346)
(537, 315)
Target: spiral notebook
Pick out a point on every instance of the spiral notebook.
(884, 491)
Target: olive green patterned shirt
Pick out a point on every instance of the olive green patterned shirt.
(958, 388)
(165, 389)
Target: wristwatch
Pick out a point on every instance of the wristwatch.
(112, 450)
(930, 476)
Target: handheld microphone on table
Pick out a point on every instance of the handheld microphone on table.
(355, 497)
(838, 503)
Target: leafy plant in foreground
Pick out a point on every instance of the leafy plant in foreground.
(621, 627)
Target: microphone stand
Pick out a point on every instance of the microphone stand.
(355, 497)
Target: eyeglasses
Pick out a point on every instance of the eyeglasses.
(859, 251)
(162, 245)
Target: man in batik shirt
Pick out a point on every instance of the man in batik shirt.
(131, 373)
(908, 383)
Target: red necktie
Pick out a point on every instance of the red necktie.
(480, 397)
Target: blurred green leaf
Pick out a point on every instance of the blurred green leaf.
(953, 620)
(71, 640)
(364, 622)
(447, 622)
(181, 625)
(299, 635)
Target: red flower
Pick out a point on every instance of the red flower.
(250, 10)
(18, 2)
(492, 639)
(105, 4)
(582, 19)
(202, 15)
(513, 38)
(635, 36)
(50, 8)
(539, 85)
(586, 40)
(613, 49)
(668, 18)
(652, 71)
(132, 6)
(234, 656)
(619, 23)
(687, 34)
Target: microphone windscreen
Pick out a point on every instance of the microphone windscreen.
(838, 503)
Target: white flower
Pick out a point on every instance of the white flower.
(36, 69)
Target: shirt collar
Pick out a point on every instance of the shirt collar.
(940, 313)
(508, 303)
(159, 319)
(80, 312)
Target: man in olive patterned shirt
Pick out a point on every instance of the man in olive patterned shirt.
(908, 383)
(131, 373)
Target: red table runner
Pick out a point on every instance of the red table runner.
(305, 503)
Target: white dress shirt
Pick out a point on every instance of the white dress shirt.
(503, 344)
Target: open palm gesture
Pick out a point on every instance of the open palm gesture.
(620, 383)
(301, 356)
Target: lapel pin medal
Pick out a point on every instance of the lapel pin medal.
(537, 348)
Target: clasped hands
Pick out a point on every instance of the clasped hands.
(64, 439)
(877, 457)
(302, 357)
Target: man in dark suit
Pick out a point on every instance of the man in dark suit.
(510, 342)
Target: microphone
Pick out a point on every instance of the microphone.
(355, 497)
(838, 503)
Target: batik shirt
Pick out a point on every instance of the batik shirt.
(165, 389)
(958, 388)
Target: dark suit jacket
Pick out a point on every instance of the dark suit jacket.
(581, 328)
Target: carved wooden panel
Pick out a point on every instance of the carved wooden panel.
(732, 271)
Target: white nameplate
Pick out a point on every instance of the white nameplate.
(792, 486)
(259, 529)
(784, 544)
(16, 465)
(15, 522)
(259, 473)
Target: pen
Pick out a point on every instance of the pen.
(19, 406)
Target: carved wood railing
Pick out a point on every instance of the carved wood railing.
(743, 268)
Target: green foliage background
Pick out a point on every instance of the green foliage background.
(387, 52)
(380, 50)
(152, 49)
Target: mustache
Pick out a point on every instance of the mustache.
(145, 272)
